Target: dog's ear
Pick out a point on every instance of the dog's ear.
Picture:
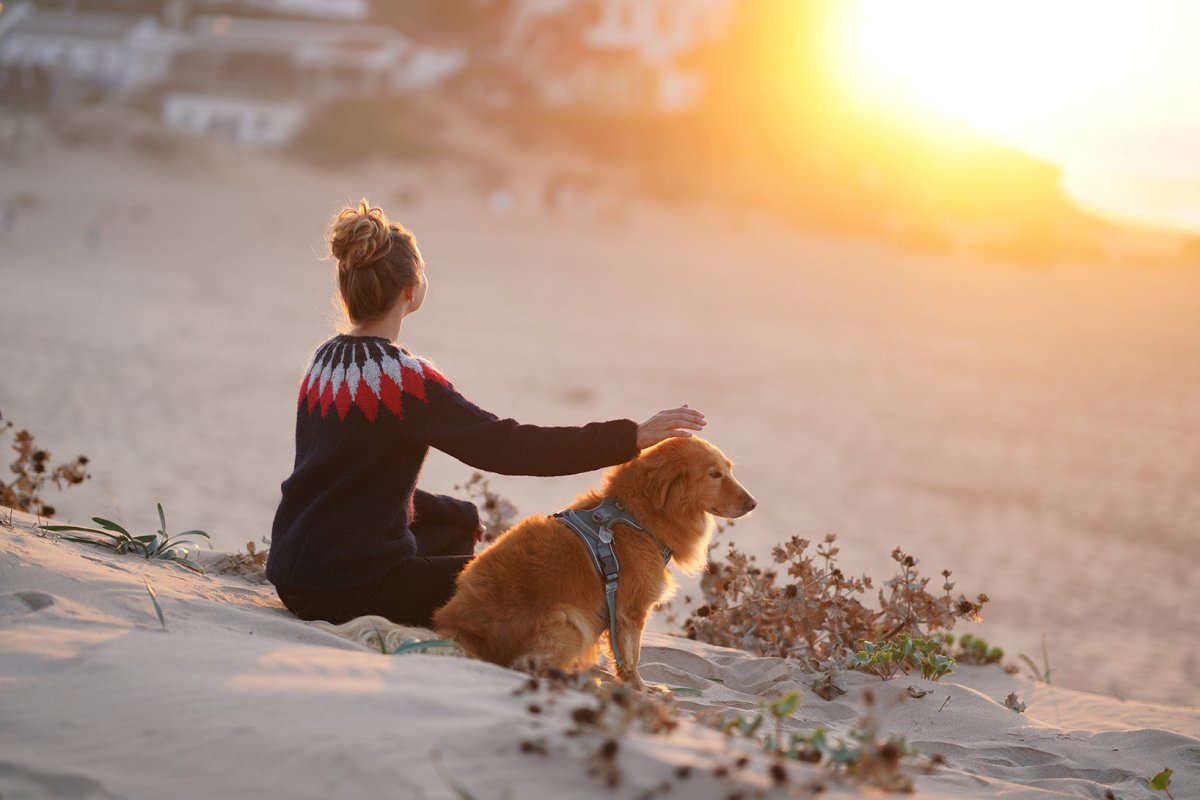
(665, 479)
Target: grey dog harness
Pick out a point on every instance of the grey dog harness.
(594, 527)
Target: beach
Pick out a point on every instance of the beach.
(229, 695)
(1036, 430)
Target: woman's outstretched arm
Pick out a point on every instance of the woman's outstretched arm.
(458, 427)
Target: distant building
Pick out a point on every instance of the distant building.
(613, 54)
(90, 48)
(340, 10)
(660, 30)
(255, 122)
(314, 61)
(252, 79)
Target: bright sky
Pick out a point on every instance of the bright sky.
(1107, 89)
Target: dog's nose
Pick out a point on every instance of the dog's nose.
(751, 503)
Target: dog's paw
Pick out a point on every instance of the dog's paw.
(633, 680)
(540, 666)
(531, 665)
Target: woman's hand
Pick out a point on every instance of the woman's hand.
(667, 424)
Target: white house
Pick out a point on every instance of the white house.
(660, 30)
(614, 53)
(90, 47)
(247, 121)
(317, 61)
(336, 10)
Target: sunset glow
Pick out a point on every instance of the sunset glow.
(1008, 69)
(1105, 90)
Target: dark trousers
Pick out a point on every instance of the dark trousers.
(408, 595)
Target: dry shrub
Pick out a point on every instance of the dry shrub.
(32, 470)
(806, 607)
(497, 513)
(251, 564)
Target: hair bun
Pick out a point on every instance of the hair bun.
(359, 237)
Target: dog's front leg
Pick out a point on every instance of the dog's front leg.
(629, 639)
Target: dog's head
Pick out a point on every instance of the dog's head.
(688, 475)
(685, 479)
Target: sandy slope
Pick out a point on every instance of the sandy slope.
(1035, 430)
(237, 698)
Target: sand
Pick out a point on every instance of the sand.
(1034, 429)
(238, 698)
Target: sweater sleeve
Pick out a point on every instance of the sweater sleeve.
(443, 508)
(458, 427)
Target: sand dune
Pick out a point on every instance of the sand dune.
(237, 698)
(1035, 430)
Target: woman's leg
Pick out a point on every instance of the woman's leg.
(335, 607)
(411, 592)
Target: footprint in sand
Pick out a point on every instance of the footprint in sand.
(24, 602)
(21, 781)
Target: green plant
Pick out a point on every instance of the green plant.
(973, 650)
(424, 644)
(32, 470)
(410, 646)
(780, 710)
(1162, 782)
(158, 545)
(157, 608)
(863, 755)
(885, 658)
(747, 726)
(1041, 675)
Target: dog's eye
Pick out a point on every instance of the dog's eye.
(715, 474)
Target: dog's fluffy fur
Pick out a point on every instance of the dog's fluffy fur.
(533, 600)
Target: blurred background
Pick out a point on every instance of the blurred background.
(932, 269)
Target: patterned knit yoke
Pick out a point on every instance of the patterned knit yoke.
(365, 375)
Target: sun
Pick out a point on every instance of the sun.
(1010, 69)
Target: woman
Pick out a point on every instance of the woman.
(352, 534)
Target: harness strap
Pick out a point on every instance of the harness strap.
(594, 527)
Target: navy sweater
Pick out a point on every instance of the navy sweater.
(368, 414)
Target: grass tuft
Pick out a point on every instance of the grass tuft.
(1041, 675)
(158, 545)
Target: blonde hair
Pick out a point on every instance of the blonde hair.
(377, 259)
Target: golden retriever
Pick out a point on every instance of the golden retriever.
(533, 600)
